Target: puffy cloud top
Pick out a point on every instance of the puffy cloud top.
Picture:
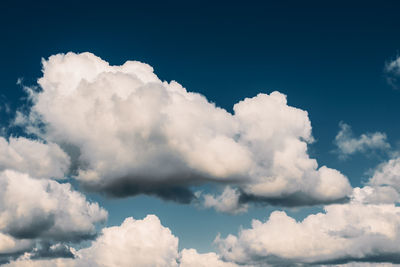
(365, 229)
(33, 157)
(141, 243)
(136, 134)
(348, 232)
(135, 242)
(40, 208)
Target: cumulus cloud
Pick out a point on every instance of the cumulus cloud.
(347, 144)
(392, 72)
(347, 232)
(37, 214)
(365, 229)
(33, 157)
(135, 134)
(191, 258)
(31, 208)
(134, 243)
(387, 174)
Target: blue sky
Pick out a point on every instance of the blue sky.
(329, 59)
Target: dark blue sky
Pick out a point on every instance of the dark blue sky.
(327, 56)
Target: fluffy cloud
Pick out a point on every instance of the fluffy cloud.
(392, 71)
(228, 201)
(191, 258)
(365, 229)
(33, 157)
(347, 144)
(32, 208)
(348, 232)
(36, 213)
(387, 174)
(136, 134)
(134, 243)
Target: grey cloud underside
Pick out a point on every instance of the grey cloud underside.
(393, 258)
(8, 257)
(33, 227)
(48, 250)
(125, 187)
(41, 250)
(293, 200)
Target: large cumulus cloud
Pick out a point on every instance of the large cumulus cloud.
(141, 243)
(136, 134)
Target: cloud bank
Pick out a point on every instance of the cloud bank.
(134, 134)
(141, 243)
(365, 229)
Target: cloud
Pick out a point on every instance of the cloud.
(191, 258)
(40, 216)
(343, 233)
(347, 144)
(139, 243)
(227, 202)
(33, 157)
(138, 135)
(387, 174)
(45, 209)
(134, 243)
(392, 72)
(142, 242)
(366, 229)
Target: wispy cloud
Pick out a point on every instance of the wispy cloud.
(392, 72)
(347, 144)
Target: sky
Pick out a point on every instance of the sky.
(257, 133)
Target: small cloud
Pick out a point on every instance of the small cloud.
(347, 144)
(392, 73)
(227, 202)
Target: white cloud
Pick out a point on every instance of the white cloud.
(137, 134)
(387, 174)
(344, 232)
(227, 202)
(392, 71)
(136, 242)
(139, 243)
(365, 229)
(33, 157)
(40, 208)
(191, 258)
(348, 144)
